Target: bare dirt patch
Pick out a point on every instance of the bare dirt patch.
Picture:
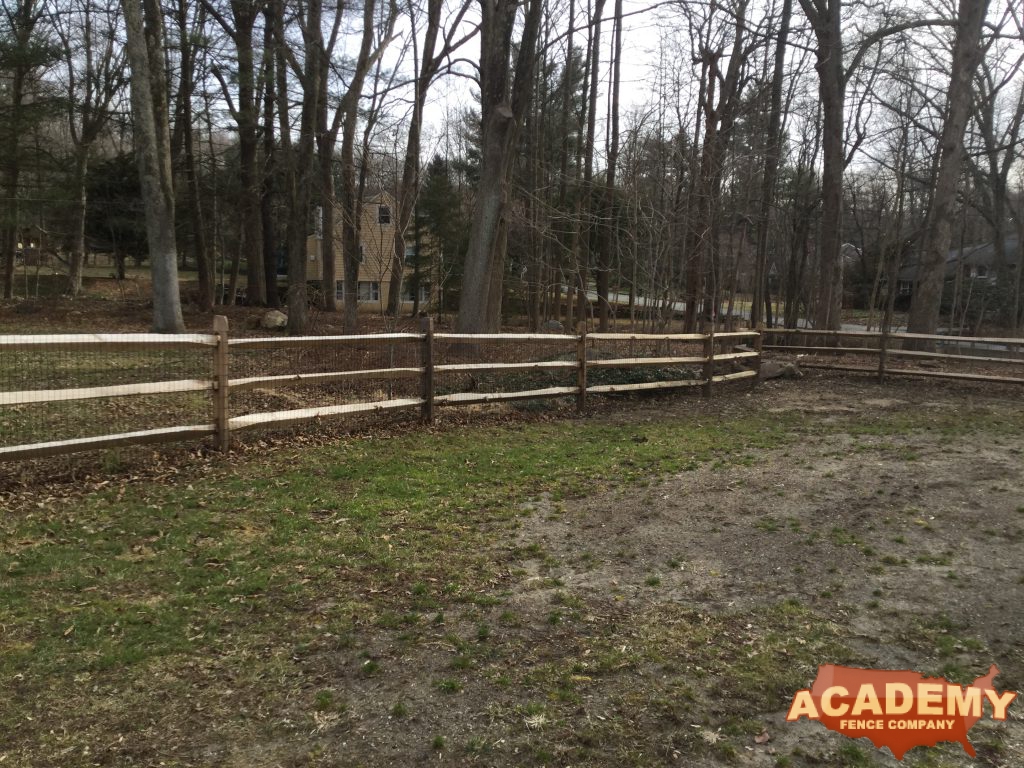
(909, 542)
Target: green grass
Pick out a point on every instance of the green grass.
(241, 577)
(149, 571)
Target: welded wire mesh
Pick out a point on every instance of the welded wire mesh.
(943, 357)
(468, 366)
(324, 372)
(643, 361)
(47, 393)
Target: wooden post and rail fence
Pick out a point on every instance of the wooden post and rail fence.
(221, 386)
(818, 349)
(887, 349)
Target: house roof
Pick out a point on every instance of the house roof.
(982, 254)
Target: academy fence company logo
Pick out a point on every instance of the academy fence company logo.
(899, 709)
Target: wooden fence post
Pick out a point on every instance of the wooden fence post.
(581, 371)
(221, 371)
(709, 362)
(427, 410)
(883, 348)
(759, 348)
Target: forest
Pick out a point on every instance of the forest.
(579, 161)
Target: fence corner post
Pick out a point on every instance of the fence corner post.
(709, 363)
(427, 409)
(221, 371)
(581, 370)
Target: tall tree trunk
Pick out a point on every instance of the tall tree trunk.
(183, 148)
(832, 93)
(967, 53)
(24, 19)
(409, 185)
(268, 225)
(504, 97)
(773, 152)
(347, 118)
(144, 33)
(250, 242)
(304, 170)
(610, 228)
(78, 220)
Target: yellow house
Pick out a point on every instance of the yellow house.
(376, 245)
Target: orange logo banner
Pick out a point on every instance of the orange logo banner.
(899, 709)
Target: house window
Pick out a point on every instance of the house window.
(384, 214)
(362, 253)
(339, 290)
(982, 270)
(410, 254)
(407, 292)
(369, 290)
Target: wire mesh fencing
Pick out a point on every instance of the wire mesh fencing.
(988, 359)
(68, 392)
(79, 392)
(285, 381)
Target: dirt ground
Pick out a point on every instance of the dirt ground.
(910, 544)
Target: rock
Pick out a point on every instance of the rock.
(274, 320)
(773, 370)
(553, 326)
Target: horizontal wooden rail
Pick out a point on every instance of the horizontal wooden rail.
(635, 362)
(469, 398)
(149, 436)
(917, 372)
(738, 376)
(646, 336)
(299, 415)
(737, 355)
(472, 337)
(296, 379)
(607, 389)
(285, 342)
(736, 335)
(873, 351)
(540, 365)
(106, 342)
(89, 393)
(878, 334)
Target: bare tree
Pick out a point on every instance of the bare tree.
(825, 17)
(24, 57)
(429, 61)
(504, 96)
(151, 132)
(376, 37)
(967, 53)
(190, 21)
(241, 98)
(94, 72)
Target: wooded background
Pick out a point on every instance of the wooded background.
(719, 154)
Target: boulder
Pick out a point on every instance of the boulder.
(771, 369)
(274, 320)
(553, 326)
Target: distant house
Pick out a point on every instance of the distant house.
(376, 245)
(975, 262)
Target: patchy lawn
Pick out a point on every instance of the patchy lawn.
(645, 586)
